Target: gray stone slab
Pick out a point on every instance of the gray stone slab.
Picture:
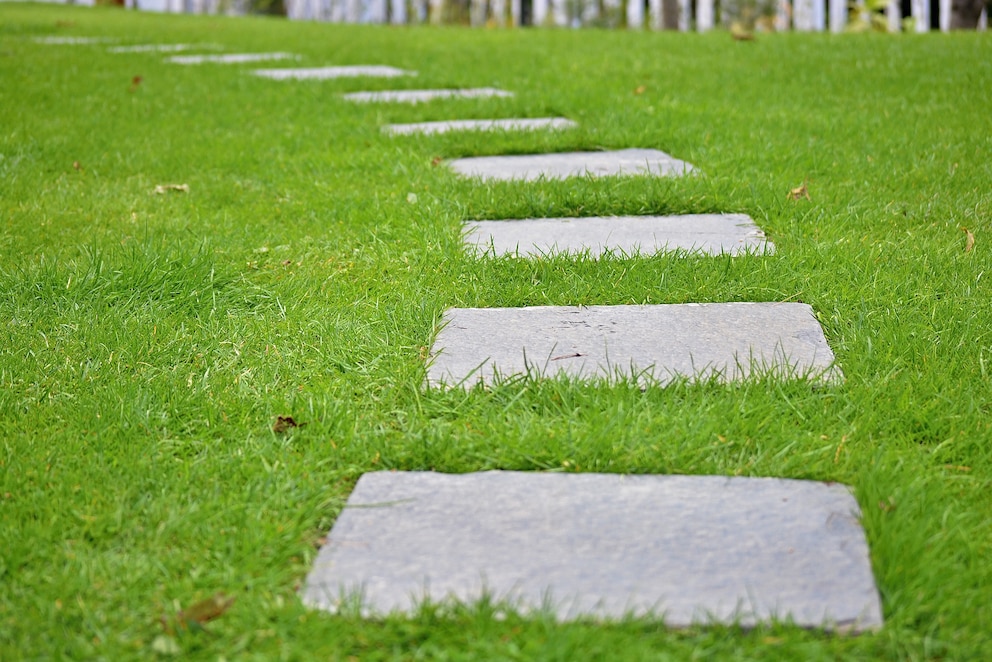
(324, 73)
(423, 96)
(72, 41)
(230, 58)
(152, 48)
(652, 344)
(530, 167)
(685, 549)
(429, 128)
(710, 234)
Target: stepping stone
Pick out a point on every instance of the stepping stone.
(710, 234)
(75, 41)
(152, 48)
(683, 549)
(230, 58)
(322, 73)
(421, 96)
(652, 344)
(530, 167)
(479, 125)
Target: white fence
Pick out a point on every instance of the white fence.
(684, 15)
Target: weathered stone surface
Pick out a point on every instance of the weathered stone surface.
(529, 167)
(152, 48)
(686, 549)
(653, 344)
(230, 58)
(423, 96)
(711, 234)
(479, 125)
(324, 73)
(71, 41)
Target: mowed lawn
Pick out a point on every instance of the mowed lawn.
(148, 342)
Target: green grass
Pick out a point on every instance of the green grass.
(147, 342)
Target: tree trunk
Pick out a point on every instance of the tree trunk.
(965, 14)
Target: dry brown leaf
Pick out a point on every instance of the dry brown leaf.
(135, 82)
(162, 189)
(436, 161)
(969, 241)
(77, 165)
(640, 89)
(285, 424)
(206, 610)
(799, 192)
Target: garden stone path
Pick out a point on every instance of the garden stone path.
(530, 167)
(230, 58)
(685, 549)
(652, 344)
(422, 96)
(324, 73)
(710, 234)
(429, 128)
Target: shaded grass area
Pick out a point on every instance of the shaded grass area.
(148, 342)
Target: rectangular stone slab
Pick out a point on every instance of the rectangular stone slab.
(423, 96)
(685, 549)
(152, 48)
(479, 125)
(530, 167)
(230, 58)
(710, 234)
(652, 344)
(324, 73)
(72, 41)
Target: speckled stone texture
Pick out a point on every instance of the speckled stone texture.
(652, 344)
(530, 167)
(685, 549)
(324, 73)
(423, 96)
(430, 128)
(709, 234)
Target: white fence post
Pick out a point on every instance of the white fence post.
(397, 14)
(921, 12)
(945, 15)
(894, 13)
(656, 15)
(704, 15)
(635, 13)
(540, 9)
(838, 15)
(685, 9)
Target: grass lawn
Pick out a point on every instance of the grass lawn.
(148, 342)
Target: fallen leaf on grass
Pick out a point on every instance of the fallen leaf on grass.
(206, 610)
(740, 32)
(162, 189)
(284, 424)
(76, 165)
(135, 82)
(436, 161)
(640, 89)
(799, 192)
(969, 241)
